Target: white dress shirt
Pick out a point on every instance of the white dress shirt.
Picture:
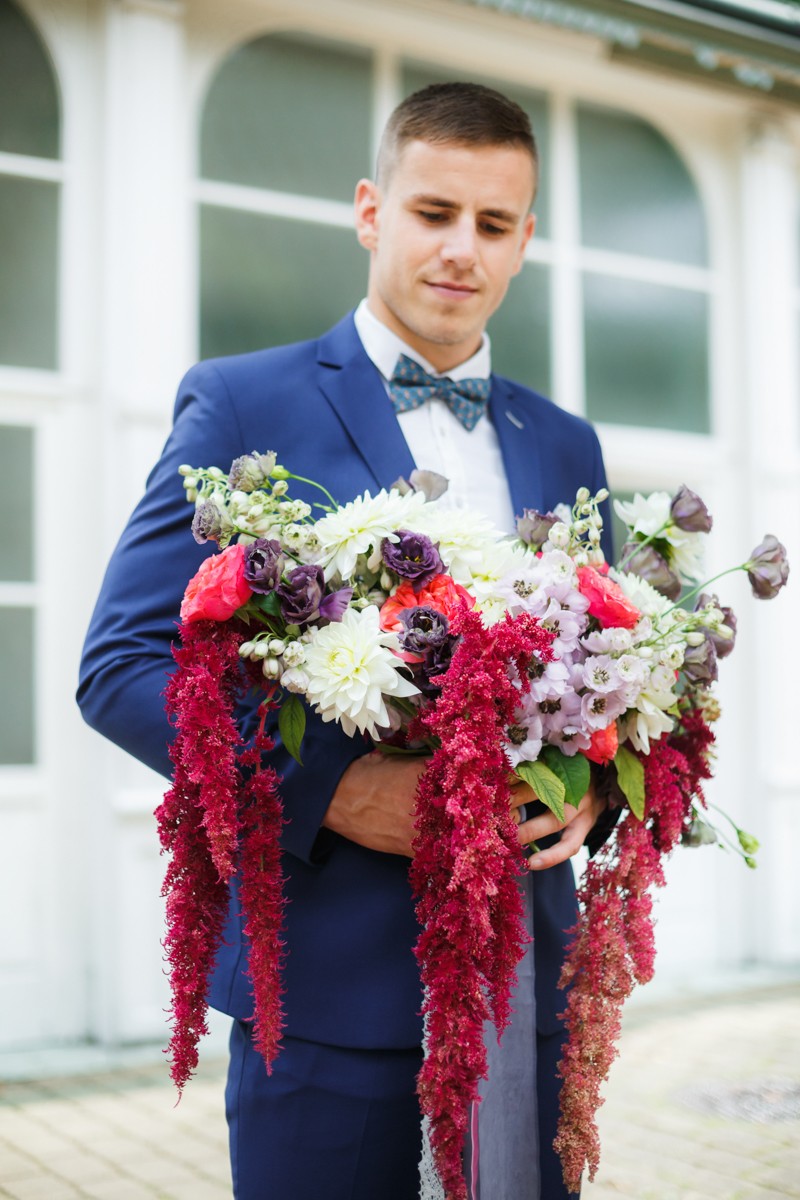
(470, 459)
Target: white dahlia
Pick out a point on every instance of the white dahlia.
(351, 668)
(464, 536)
(361, 526)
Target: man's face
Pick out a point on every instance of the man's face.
(446, 233)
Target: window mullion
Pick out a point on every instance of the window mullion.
(566, 290)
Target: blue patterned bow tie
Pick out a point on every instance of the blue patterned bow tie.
(411, 386)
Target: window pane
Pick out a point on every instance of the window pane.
(520, 329)
(29, 121)
(266, 281)
(636, 194)
(646, 354)
(16, 528)
(16, 686)
(28, 279)
(419, 75)
(291, 115)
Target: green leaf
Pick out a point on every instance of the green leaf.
(268, 603)
(575, 773)
(292, 725)
(546, 784)
(630, 777)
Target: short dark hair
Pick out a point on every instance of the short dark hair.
(467, 114)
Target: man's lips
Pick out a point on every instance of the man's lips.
(452, 291)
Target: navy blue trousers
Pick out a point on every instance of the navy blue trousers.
(338, 1124)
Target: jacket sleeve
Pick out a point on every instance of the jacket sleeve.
(127, 655)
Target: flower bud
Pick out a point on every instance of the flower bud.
(246, 649)
(277, 647)
(279, 473)
(281, 487)
(601, 495)
(689, 512)
(695, 638)
(271, 668)
(767, 568)
(559, 536)
(748, 843)
(583, 494)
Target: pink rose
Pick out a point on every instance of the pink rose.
(607, 601)
(218, 588)
(604, 744)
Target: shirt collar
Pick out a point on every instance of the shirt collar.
(384, 347)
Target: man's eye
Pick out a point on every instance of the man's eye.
(493, 230)
(433, 217)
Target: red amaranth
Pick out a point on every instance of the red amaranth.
(464, 873)
(613, 946)
(201, 819)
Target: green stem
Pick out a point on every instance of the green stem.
(640, 545)
(696, 590)
(313, 483)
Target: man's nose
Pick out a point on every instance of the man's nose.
(460, 245)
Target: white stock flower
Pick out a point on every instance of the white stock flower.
(351, 668)
(360, 527)
(643, 724)
(295, 680)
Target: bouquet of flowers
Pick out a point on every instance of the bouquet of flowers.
(426, 629)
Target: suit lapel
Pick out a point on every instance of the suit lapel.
(353, 387)
(519, 446)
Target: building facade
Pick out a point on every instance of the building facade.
(176, 182)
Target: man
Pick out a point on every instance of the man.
(446, 224)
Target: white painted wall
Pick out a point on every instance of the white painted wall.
(81, 956)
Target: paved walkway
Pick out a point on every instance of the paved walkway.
(703, 1104)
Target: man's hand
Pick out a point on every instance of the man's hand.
(374, 802)
(576, 825)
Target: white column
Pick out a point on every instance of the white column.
(148, 262)
(147, 344)
(770, 253)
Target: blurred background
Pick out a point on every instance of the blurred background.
(176, 179)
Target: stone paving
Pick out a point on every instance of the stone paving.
(678, 1123)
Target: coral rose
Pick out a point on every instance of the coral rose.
(604, 744)
(218, 588)
(607, 601)
(442, 593)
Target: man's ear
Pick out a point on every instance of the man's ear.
(367, 207)
(527, 233)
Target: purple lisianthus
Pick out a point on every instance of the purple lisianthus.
(301, 594)
(437, 660)
(767, 568)
(648, 564)
(722, 645)
(333, 606)
(533, 526)
(413, 556)
(430, 483)
(263, 565)
(424, 629)
(250, 471)
(689, 512)
(700, 662)
(210, 523)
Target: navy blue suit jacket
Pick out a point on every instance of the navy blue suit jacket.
(350, 973)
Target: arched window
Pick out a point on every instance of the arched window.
(645, 284)
(610, 312)
(29, 195)
(30, 175)
(285, 136)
